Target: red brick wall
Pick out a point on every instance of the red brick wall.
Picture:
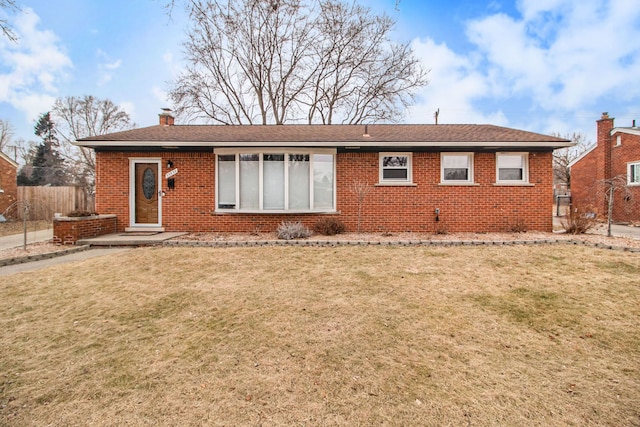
(9, 185)
(584, 181)
(605, 161)
(482, 207)
(67, 231)
(626, 206)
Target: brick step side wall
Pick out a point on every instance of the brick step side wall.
(68, 230)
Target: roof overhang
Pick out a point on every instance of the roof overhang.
(9, 160)
(356, 145)
(631, 131)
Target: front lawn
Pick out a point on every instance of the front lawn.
(481, 336)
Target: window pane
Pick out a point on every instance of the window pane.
(634, 172)
(510, 167)
(510, 174)
(510, 161)
(227, 182)
(323, 181)
(395, 168)
(395, 161)
(397, 174)
(456, 174)
(299, 181)
(455, 167)
(452, 161)
(273, 181)
(249, 180)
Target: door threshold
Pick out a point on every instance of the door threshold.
(139, 229)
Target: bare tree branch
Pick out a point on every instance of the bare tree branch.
(82, 117)
(610, 186)
(10, 6)
(6, 133)
(563, 157)
(276, 61)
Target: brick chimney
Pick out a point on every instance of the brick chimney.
(604, 146)
(166, 119)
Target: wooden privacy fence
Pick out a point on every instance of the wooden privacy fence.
(44, 202)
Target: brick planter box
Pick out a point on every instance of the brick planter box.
(68, 230)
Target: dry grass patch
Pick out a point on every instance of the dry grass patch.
(529, 335)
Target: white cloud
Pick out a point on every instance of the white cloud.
(129, 108)
(107, 67)
(552, 67)
(160, 95)
(32, 68)
(453, 85)
(563, 53)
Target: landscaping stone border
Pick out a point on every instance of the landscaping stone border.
(330, 243)
(38, 257)
(443, 243)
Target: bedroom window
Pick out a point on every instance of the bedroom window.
(456, 168)
(512, 168)
(633, 173)
(395, 168)
(275, 180)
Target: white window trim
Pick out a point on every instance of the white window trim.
(261, 151)
(470, 181)
(629, 182)
(396, 182)
(525, 170)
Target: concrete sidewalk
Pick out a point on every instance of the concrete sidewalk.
(621, 231)
(617, 230)
(17, 240)
(44, 263)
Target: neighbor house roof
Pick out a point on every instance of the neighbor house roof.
(630, 130)
(8, 159)
(360, 136)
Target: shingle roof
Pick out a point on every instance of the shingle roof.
(323, 135)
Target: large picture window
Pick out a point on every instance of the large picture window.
(456, 168)
(275, 180)
(395, 168)
(512, 168)
(633, 173)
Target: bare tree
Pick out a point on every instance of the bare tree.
(82, 117)
(563, 157)
(6, 133)
(360, 189)
(610, 186)
(273, 61)
(7, 31)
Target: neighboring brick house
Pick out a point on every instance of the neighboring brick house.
(420, 178)
(8, 184)
(616, 154)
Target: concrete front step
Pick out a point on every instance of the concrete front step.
(129, 239)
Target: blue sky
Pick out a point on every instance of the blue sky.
(540, 65)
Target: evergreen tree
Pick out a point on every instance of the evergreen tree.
(47, 166)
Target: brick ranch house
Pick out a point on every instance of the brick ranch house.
(616, 154)
(419, 178)
(8, 183)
